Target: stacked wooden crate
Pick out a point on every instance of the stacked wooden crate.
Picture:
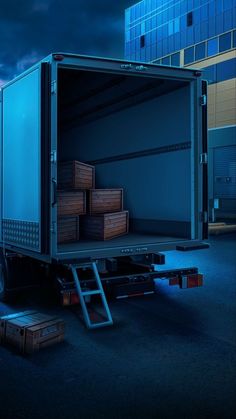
(82, 209)
(74, 178)
(106, 218)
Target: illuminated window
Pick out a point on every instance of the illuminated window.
(212, 47)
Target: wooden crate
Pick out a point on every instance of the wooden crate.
(100, 201)
(67, 229)
(71, 203)
(104, 226)
(8, 317)
(75, 175)
(31, 332)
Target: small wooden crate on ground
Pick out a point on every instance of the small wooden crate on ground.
(31, 331)
(68, 229)
(104, 226)
(71, 203)
(100, 201)
(75, 175)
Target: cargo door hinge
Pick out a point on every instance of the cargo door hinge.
(204, 216)
(203, 158)
(203, 100)
(53, 228)
(53, 156)
(54, 87)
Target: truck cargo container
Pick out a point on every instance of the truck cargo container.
(144, 129)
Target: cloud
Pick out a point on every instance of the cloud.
(32, 29)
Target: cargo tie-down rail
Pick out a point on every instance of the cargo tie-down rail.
(83, 294)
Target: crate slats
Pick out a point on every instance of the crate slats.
(104, 201)
(104, 226)
(67, 229)
(71, 203)
(31, 331)
(75, 175)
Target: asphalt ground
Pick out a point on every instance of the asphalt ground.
(168, 355)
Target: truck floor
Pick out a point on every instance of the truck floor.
(127, 240)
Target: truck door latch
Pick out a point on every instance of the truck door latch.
(53, 156)
(203, 100)
(53, 86)
(203, 158)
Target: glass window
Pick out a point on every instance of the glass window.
(200, 51)
(166, 60)
(212, 10)
(225, 42)
(148, 25)
(153, 52)
(227, 4)
(204, 12)
(176, 25)
(127, 36)
(209, 73)
(189, 19)
(127, 16)
(219, 6)
(148, 54)
(137, 31)
(142, 41)
(188, 55)
(171, 27)
(190, 4)
(175, 59)
(212, 47)
(228, 20)
(153, 37)
(148, 39)
(132, 14)
(234, 39)
(226, 70)
(137, 11)
(132, 33)
(142, 28)
(154, 22)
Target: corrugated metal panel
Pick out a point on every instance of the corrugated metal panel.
(225, 172)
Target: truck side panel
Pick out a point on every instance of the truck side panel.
(24, 171)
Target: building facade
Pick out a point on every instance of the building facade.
(199, 34)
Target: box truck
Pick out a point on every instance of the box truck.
(144, 129)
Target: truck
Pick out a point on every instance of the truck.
(144, 129)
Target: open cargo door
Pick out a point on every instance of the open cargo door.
(204, 162)
(25, 160)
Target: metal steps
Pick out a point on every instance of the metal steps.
(99, 291)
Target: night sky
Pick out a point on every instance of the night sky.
(32, 29)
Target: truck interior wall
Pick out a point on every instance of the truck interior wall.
(157, 188)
